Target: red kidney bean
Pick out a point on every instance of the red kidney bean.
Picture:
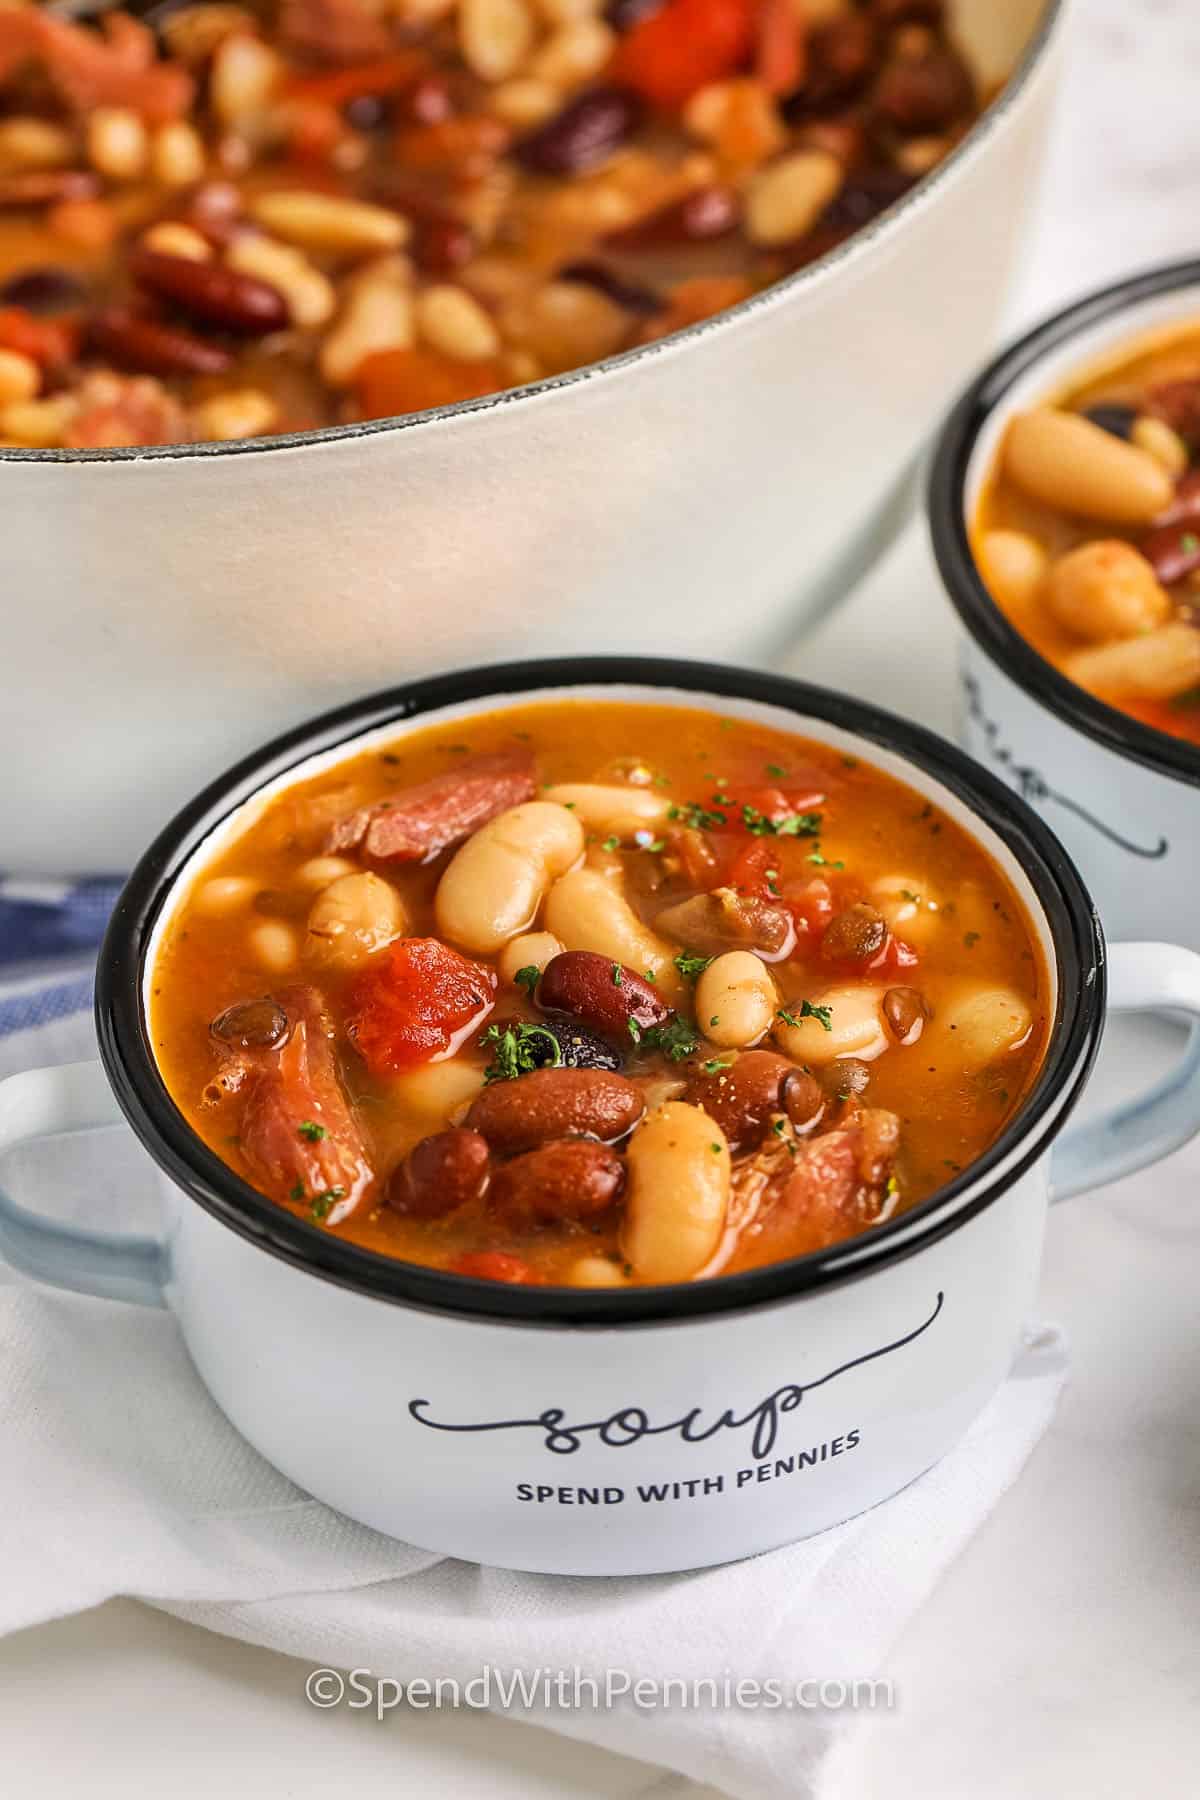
(135, 341)
(855, 935)
(603, 994)
(554, 1103)
(568, 1179)
(496, 1265)
(707, 212)
(50, 289)
(904, 1010)
(907, 12)
(742, 1094)
(924, 93)
(440, 1174)
(208, 291)
(441, 245)
(252, 1025)
(626, 294)
(587, 130)
(1173, 551)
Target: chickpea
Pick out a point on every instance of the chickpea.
(275, 946)
(677, 1193)
(1014, 567)
(1067, 462)
(319, 871)
(531, 951)
(351, 919)
(595, 1272)
(736, 1000)
(977, 1025)
(1104, 590)
(846, 1021)
(495, 883)
(1158, 666)
(620, 810)
(588, 912)
(225, 894)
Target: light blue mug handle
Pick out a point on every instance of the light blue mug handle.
(116, 1266)
(112, 1265)
(1156, 978)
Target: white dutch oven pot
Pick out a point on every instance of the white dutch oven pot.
(633, 1430)
(1124, 798)
(168, 609)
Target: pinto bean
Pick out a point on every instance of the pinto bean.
(742, 1094)
(554, 1103)
(440, 1174)
(211, 293)
(604, 994)
(252, 1024)
(855, 935)
(904, 1010)
(803, 1099)
(567, 1179)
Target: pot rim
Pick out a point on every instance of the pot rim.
(825, 268)
(129, 1062)
(949, 468)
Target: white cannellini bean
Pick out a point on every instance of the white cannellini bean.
(589, 912)
(27, 142)
(976, 1025)
(38, 424)
(495, 882)
(117, 145)
(452, 321)
(1106, 589)
(910, 906)
(1157, 439)
(575, 53)
(351, 919)
(20, 377)
(494, 36)
(1065, 461)
(225, 894)
(438, 1090)
(319, 871)
(275, 946)
(611, 808)
(677, 1192)
(596, 1272)
(524, 103)
(244, 75)
(171, 237)
(377, 315)
(237, 413)
(327, 222)
(532, 950)
(736, 1000)
(786, 198)
(177, 154)
(1158, 666)
(1013, 565)
(855, 1027)
(309, 294)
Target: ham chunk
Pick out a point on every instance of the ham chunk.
(435, 815)
(833, 1187)
(298, 1131)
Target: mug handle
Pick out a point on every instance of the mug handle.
(1160, 978)
(111, 1265)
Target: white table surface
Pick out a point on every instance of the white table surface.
(1061, 1655)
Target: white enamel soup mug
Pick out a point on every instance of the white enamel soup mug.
(625, 1430)
(1124, 798)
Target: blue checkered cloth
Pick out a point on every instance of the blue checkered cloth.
(49, 934)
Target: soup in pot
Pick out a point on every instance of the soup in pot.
(1088, 531)
(599, 993)
(242, 219)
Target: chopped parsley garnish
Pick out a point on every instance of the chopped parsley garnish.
(635, 1030)
(611, 843)
(691, 967)
(907, 894)
(650, 975)
(323, 1204)
(696, 817)
(970, 939)
(676, 1039)
(1189, 543)
(309, 1129)
(776, 769)
(520, 1048)
(822, 1014)
(806, 824)
(528, 978)
(616, 974)
(714, 1065)
(821, 861)
(297, 1192)
(715, 1148)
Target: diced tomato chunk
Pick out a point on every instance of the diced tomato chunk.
(495, 1265)
(393, 382)
(381, 75)
(780, 58)
(685, 45)
(47, 342)
(415, 1001)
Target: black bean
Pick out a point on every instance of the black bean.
(1118, 420)
(579, 1049)
(626, 294)
(623, 15)
(863, 197)
(48, 289)
(366, 112)
(252, 1025)
(586, 132)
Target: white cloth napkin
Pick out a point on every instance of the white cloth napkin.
(118, 1476)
